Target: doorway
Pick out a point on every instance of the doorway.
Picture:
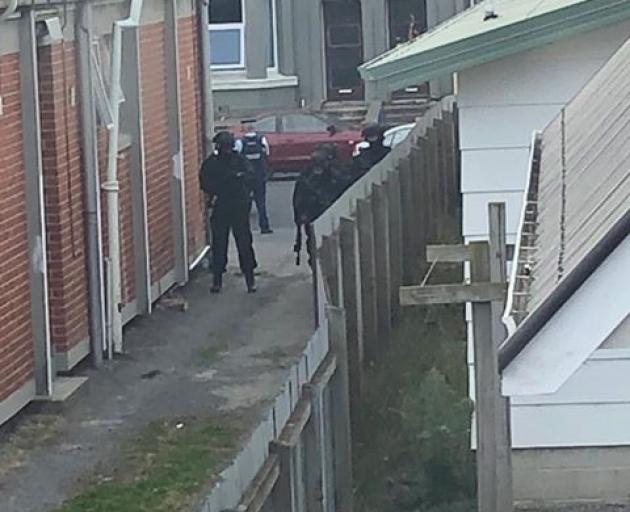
(344, 50)
(407, 19)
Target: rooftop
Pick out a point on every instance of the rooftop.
(470, 39)
(577, 209)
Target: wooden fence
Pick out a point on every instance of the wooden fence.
(369, 243)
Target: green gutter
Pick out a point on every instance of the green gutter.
(495, 44)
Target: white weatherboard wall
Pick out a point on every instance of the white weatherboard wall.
(502, 102)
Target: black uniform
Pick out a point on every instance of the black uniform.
(229, 179)
(315, 190)
(369, 157)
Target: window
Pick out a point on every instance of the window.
(227, 33)
(345, 36)
(266, 124)
(303, 123)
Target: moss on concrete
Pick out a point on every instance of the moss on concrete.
(166, 468)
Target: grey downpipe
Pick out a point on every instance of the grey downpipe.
(111, 185)
(206, 98)
(94, 240)
(206, 76)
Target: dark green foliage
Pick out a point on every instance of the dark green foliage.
(413, 452)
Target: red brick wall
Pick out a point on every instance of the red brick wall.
(16, 342)
(63, 191)
(192, 115)
(158, 162)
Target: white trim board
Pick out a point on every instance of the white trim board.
(17, 400)
(239, 82)
(581, 325)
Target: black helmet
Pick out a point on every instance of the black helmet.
(224, 139)
(372, 131)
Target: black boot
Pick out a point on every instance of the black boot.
(250, 280)
(217, 283)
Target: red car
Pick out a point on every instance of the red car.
(294, 136)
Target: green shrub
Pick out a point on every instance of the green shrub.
(412, 448)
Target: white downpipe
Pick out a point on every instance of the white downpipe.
(9, 11)
(111, 186)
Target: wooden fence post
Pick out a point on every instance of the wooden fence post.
(351, 286)
(498, 274)
(451, 184)
(365, 222)
(381, 260)
(432, 191)
(492, 470)
(317, 451)
(408, 221)
(395, 239)
(283, 495)
(423, 213)
(340, 395)
(329, 256)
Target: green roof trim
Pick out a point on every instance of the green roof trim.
(466, 40)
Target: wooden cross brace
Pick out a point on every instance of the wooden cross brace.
(486, 293)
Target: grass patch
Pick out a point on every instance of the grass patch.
(31, 432)
(166, 468)
(276, 355)
(412, 449)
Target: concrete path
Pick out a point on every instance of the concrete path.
(226, 353)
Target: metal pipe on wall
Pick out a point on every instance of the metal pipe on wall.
(111, 186)
(203, 40)
(206, 76)
(96, 284)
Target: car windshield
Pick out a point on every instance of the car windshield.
(304, 123)
(266, 124)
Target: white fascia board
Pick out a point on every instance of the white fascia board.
(579, 327)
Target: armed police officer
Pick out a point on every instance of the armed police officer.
(315, 190)
(255, 148)
(374, 136)
(228, 178)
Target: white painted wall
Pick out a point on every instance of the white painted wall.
(502, 102)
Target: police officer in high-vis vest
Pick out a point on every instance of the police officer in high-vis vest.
(255, 148)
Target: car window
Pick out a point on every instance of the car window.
(389, 140)
(266, 124)
(400, 136)
(303, 123)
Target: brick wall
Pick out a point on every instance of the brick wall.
(192, 115)
(16, 342)
(63, 191)
(158, 162)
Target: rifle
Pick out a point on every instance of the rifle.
(297, 248)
